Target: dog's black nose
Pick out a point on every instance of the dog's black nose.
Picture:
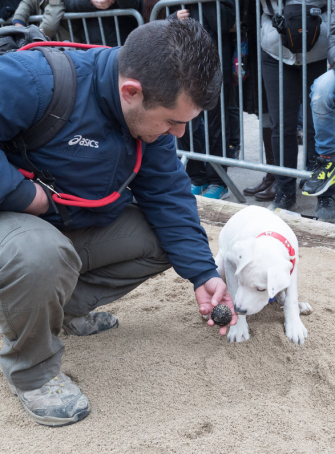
(240, 311)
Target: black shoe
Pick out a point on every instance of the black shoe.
(325, 210)
(267, 181)
(284, 202)
(233, 151)
(322, 178)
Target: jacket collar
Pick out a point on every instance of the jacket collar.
(107, 88)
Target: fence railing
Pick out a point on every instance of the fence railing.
(69, 17)
(243, 162)
(218, 161)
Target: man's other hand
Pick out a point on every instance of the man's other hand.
(183, 14)
(40, 204)
(212, 293)
(17, 24)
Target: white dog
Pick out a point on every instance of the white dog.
(258, 259)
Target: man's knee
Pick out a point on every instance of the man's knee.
(323, 93)
(42, 261)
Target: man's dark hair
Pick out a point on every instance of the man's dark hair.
(169, 57)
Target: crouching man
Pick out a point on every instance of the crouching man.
(54, 274)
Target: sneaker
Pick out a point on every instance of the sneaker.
(284, 202)
(300, 136)
(323, 176)
(215, 191)
(92, 323)
(58, 403)
(198, 190)
(325, 210)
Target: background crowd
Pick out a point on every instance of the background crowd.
(280, 190)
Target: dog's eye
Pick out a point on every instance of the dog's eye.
(261, 289)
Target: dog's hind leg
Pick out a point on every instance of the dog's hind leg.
(305, 308)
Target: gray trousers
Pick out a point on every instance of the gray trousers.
(44, 273)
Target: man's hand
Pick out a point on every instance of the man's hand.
(209, 295)
(183, 14)
(102, 4)
(17, 24)
(40, 204)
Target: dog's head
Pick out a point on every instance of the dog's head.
(262, 271)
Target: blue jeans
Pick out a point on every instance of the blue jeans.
(323, 110)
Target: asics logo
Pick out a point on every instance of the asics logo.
(82, 141)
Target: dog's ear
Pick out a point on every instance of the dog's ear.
(279, 277)
(242, 253)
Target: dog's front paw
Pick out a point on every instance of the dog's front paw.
(305, 308)
(238, 332)
(296, 331)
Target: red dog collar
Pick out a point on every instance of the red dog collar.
(281, 238)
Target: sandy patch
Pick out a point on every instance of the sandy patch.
(164, 382)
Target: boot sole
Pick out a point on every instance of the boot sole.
(273, 208)
(321, 191)
(68, 331)
(58, 422)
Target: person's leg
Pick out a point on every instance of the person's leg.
(314, 70)
(196, 170)
(285, 186)
(323, 110)
(217, 188)
(39, 269)
(116, 259)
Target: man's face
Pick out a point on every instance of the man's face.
(148, 125)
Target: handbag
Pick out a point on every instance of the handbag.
(289, 25)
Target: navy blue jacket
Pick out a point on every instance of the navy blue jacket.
(95, 167)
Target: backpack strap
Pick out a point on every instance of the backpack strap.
(62, 102)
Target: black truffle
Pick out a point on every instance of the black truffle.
(221, 315)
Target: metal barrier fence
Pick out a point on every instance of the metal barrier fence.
(242, 161)
(216, 161)
(68, 17)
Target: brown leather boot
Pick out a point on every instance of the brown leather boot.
(267, 195)
(267, 181)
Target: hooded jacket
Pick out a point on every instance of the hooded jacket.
(52, 11)
(270, 36)
(101, 160)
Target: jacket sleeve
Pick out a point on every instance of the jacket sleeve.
(331, 38)
(227, 9)
(25, 9)
(163, 191)
(125, 4)
(53, 14)
(19, 103)
(79, 6)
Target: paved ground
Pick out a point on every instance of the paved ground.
(243, 178)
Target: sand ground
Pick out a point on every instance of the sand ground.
(165, 382)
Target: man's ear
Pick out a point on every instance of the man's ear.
(279, 277)
(242, 253)
(131, 91)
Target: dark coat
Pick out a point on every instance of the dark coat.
(126, 23)
(331, 38)
(227, 8)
